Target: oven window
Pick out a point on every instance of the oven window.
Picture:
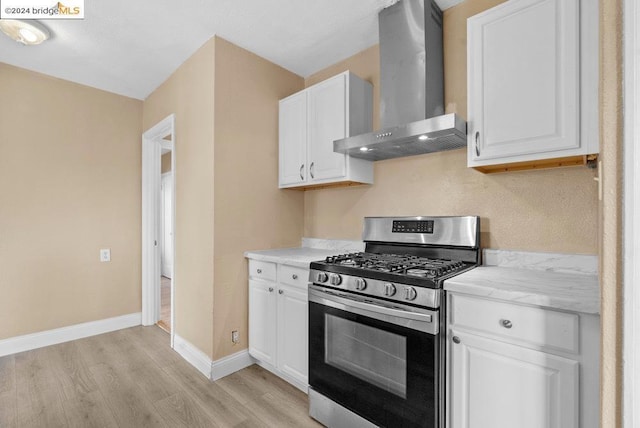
(373, 355)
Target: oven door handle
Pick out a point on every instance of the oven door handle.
(425, 322)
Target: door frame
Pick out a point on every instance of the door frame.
(631, 213)
(152, 141)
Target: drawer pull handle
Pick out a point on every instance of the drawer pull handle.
(280, 291)
(270, 289)
(455, 339)
(506, 323)
(294, 276)
(259, 270)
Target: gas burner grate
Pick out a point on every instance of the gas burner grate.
(396, 263)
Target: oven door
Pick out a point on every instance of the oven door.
(378, 359)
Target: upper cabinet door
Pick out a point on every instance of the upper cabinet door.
(293, 139)
(327, 122)
(524, 81)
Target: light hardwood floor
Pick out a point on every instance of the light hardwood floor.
(131, 378)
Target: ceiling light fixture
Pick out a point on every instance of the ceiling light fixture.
(25, 32)
(423, 138)
(364, 149)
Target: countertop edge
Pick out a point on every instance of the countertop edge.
(585, 300)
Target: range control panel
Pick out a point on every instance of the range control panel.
(412, 226)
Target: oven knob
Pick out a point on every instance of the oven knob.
(361, 284)
(389, 289)
(321, 277)
(410, 293)
(335, 279)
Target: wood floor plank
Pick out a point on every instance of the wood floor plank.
(38, 393)
(70, 370)
(154, 383)
(7, 374)
(98, 350)
(117, 349)
(277, 413)
(254, 382)
(89, 411)
(8, 393)
(126, 401)
(180, 410)
(127, 352)
(131, 378)
(8, 409)
(155, 343)
(225, 410)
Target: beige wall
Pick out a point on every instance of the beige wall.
(70, 184)
(250, 211)
(552, 210)
(227, 200)
(189, 94)
(165, 163)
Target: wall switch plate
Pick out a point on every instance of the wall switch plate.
(105, 255)
(235, 337)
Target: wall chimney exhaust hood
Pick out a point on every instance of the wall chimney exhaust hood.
(411, 88)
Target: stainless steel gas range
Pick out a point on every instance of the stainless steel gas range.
(376, 345)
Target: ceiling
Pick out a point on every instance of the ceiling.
(131, 47)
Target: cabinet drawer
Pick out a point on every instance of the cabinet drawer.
(295, 276)
(529, 325)
(262, 270)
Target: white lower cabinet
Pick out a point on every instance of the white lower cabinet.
(262, 321)
(278, 320)
(495, 384)
(512, 365)
(293, 313)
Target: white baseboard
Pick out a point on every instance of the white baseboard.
(193, 355)
(28, 342)
(231, 364)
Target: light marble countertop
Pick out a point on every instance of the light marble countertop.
(312, 249)
(557, 290)
(551, 262)
(556, 281)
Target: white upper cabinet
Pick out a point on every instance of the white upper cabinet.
(311, 120)
(327, 122)
(532, 82)
(293, 131)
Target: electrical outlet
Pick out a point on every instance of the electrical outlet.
(235, 337)
(105, 255)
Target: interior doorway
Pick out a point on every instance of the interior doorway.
(166, 236)
(158, 225)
